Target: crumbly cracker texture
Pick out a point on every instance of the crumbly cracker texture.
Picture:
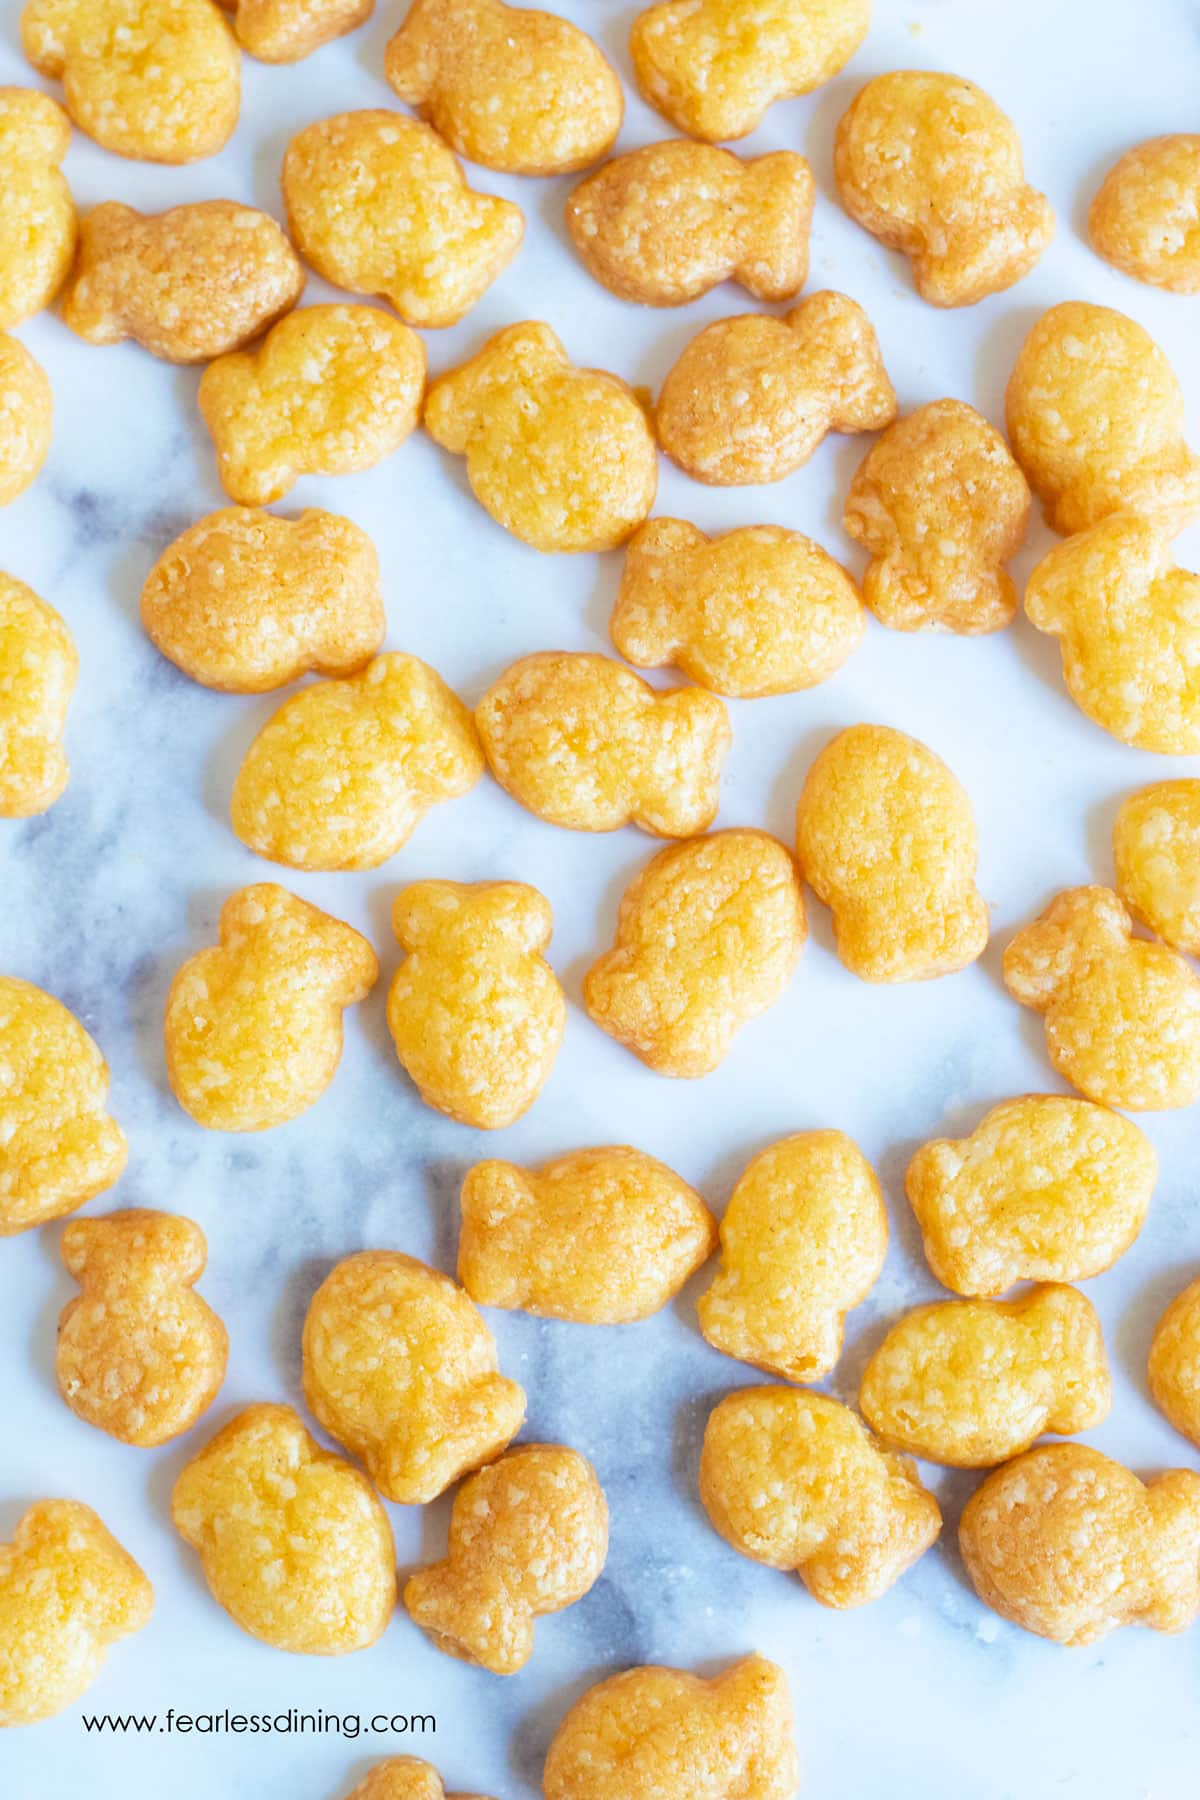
(38, 669)
(37, 213)
(1156, 849)
(1145, 220)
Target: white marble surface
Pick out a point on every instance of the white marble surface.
(925, 1693)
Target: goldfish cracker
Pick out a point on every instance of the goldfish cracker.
(1156, 847)
(707, 937)
(58, 1145)
(293, 1542)
(285, 31)
(1044, 1189)
(1174, 1365)
(713, 67)
(253, 1028)
(562, 457)
(68, 1593)
(972, 1382)
(751, 398)
(38, 669)
(929, 165)
(664, 1734)
(188, 284)
(1095, 419)
(802, 1241)
(528, 1536)
(37, 213)
(664, 224)
(330, 390)
(886, 838)
(796, 1481)
(511, 87)
(400, 1367)
(755, 611)
(601, 1237)
(475, 1011)
(1122, 1016)
(246, 602)
(940, 506)
(138, 1353)
(1129, 624)
(1145, 220)
(405, 1778)
(1070, 1545)
(379, 205)
(341, 776)
(157, 80)
(26, 409)
(585, 743)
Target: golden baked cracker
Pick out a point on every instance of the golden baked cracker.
(562, 457)
(972, 1382)
(26, 410)
(341, 776)
(293, 1541)
(602, 1236)
(285, 31)
(188, 284)
(246, 602)
(1174, 1364)
(405, 1778)
(37, 213)
(330, 390)
(1068, 1544)
(713, 67)
(58, 1145)
(528, 1536)
(1129, 624)
(930, 165)
(583, 742)
(755, 611)
(138, 1353)
(796, 1481)
(1145, 220)
(68, 1592)
(1156, 848)
(940, 506)
(1122, 1015)
(253, 1027)
(707, 937)
(38, 669)
(802, 1241)
(158, 80)
(664, 224)
(378, 204)
(511, 87)
(752, 397)
(475, 1011)
(1044, 1189)
(886, 838)
(400, 1367)
(664, 1734)
(1095, 419)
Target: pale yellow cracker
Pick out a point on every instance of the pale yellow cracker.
(601, 1237)
(293, 1541)
(1174, 1365)
(1069, 1544)
(583, 742)
(341, 776)
(253, 1028)
(1122, 1016)
(796, 1481)
(802, 1241)
(707, 937)
(528, 1536)
(755, 611)
(941, 507)
(37, 213)
(285, 31)
(562, 457)
(1145, 220)
(475, 1011)
(1156, 848)
(400, 1367)
(138, 1353)
(26, 411)
(405, 1778)
(752, 397)
(511, 87)
(886, 838)
(38, 669)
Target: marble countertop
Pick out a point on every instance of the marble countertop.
(925, 1692)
